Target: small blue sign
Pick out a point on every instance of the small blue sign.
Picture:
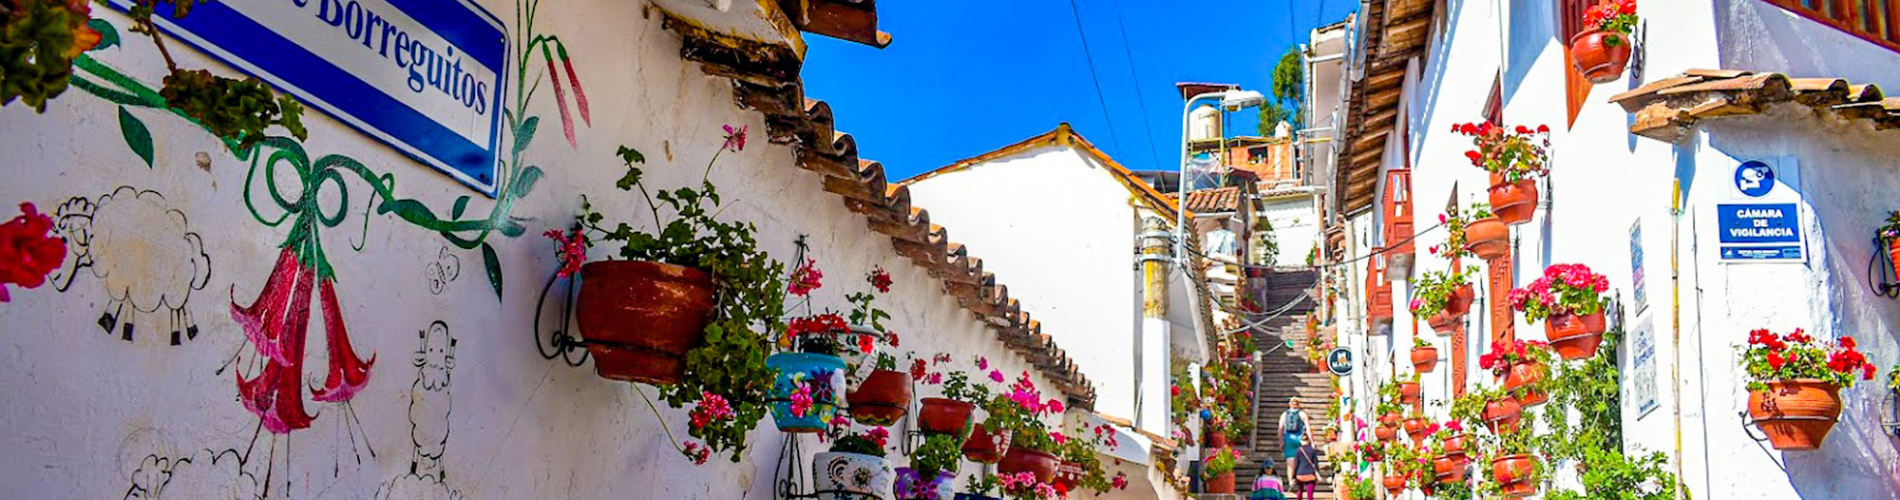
(1339, 361)
(1754, 178)
(1759, 223)
(424, 76)
(1782, 252)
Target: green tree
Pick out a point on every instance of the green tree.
(1289, 85)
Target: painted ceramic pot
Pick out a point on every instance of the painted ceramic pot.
(945, 416)
(1795, 414)
(639, 318)
(1424, 359)
(882, 399)
(1489, 238)
(1021, 459)
(1068, 474)
(1600, 56)
(1575, 336)
(1519, 378)
(1502, 415)
(1456, 446)
(852, 476)
(984, 446)
(1513, 203)
(823, 374)
(1513, 474)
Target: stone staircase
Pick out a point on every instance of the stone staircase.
(1283, 374)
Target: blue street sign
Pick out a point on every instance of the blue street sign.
(1759, 223)
(1754, 178)
(424, 76)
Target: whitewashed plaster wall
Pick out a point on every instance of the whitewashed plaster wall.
(92, 415)
(1060, 230)
(1296, 224)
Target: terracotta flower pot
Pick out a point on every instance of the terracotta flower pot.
(1573, 336)
(1489, 238)
(1519, 379)
(1795, 414)
(1596, 59)
(1444, 323)
(1394, 484)
(1455, 446)
(1448, 469)
(944, 416)
(1893, 255)
(1502, 415)
(882, 399)
(1513, 473)
(1391, 419)
(984, 446)
(1215, 439)
(1513, 203)
(1385, 433)
(1222, 484)
(1415, 427)
(1459, 302)
(1424, 359)
(1408, 393)
(1021, 459)
(639, 318)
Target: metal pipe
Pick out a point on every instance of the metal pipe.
(1181, 185)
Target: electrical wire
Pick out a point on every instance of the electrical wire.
(1086, 55)
(1134, 78)
(1382, 251)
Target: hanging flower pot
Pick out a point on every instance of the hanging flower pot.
(1598, 58)
(944, 416)
(1514, 474)
(1456, 446)
(1796, 414)
(1502, 414)
(984, 446)
(1459, 303)
(1444, 323)
(639, 318)
(1449, 469)
(1575, 336)
(853, 476)
(1386, 433)
(1415, 427)
(1518, 381)
(1394, 484)
(881, 399)
(1221, 484)
(1068, 474)
(1424, 359)
(808, 391)
(1408, 393)
(1488, 237)
(1893, 256)
(1216, 439)
(1513, 203)
(1022, 459)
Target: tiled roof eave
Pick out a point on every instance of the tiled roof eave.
(1668, 108)
(807, 125)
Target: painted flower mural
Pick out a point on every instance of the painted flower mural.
(276, 323)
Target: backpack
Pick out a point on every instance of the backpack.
(1296, 422)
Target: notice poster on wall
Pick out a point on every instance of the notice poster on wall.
(1641, 391)
(424, 76)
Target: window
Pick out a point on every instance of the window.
(1569, 23)
(1876, 21)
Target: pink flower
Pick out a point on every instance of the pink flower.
(696, 453)
(879, 435)
(983, 363)
(1053, 406)
(1120, 481)
(805, 278)
(801, 400)
(996, 376)
(712, 408)
(935, 378)
(735, 138)
(571, 247)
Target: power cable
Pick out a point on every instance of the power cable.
(1135, 83)
(1086, 55)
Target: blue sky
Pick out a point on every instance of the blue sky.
(963, 77)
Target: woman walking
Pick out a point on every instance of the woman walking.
(1306, 471)
(1267, 487)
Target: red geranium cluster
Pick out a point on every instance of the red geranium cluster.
(1504, 354)
(1618, 16)
(822, 323)
(27, 252)
(806, 277)
(879, 279)
(1797, 355)
(1512, 154)
(1564, 289)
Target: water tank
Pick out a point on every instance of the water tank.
(1204, 123)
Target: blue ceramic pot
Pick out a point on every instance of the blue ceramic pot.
(823, 373)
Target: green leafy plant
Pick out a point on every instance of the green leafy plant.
(1455, 222)
(1469, 407)
(1889, 230)
(1769, 357)
(1219, 462)
(1434, 289)
(1362, 488)
(866, 442)
(227, 107)
(1618, 18)
(1563, 289)
(38, 41)
(982, 484)
(1083, 449)
(1514, 155)
(749, 296)
(1021, 411)
(938, 453)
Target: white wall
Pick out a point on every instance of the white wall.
(91, 415)
(1060, 230)
(1296, 225)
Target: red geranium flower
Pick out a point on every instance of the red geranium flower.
(27, 251)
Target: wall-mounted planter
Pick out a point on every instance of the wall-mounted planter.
(882, 399)
(1424, 359)
(1513, 203)
(1489, 238)
(945, 416)
(984, 446)
(1456, 445)
(1502, 415)
(1448, 469)
(1021, 459)
(640, 318)
(1596, 58)
(1221, 484)
(1216, 439)
(1518, 381)
(1408, 393)
(1068, 474)
(1795, 414)
(1513, 473)
(1575, 336)
(822, 373)
(1444, 322)
(1459, 302)
(1386, 433)
(1394, 485)
(1415, 427)
(853, 476)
